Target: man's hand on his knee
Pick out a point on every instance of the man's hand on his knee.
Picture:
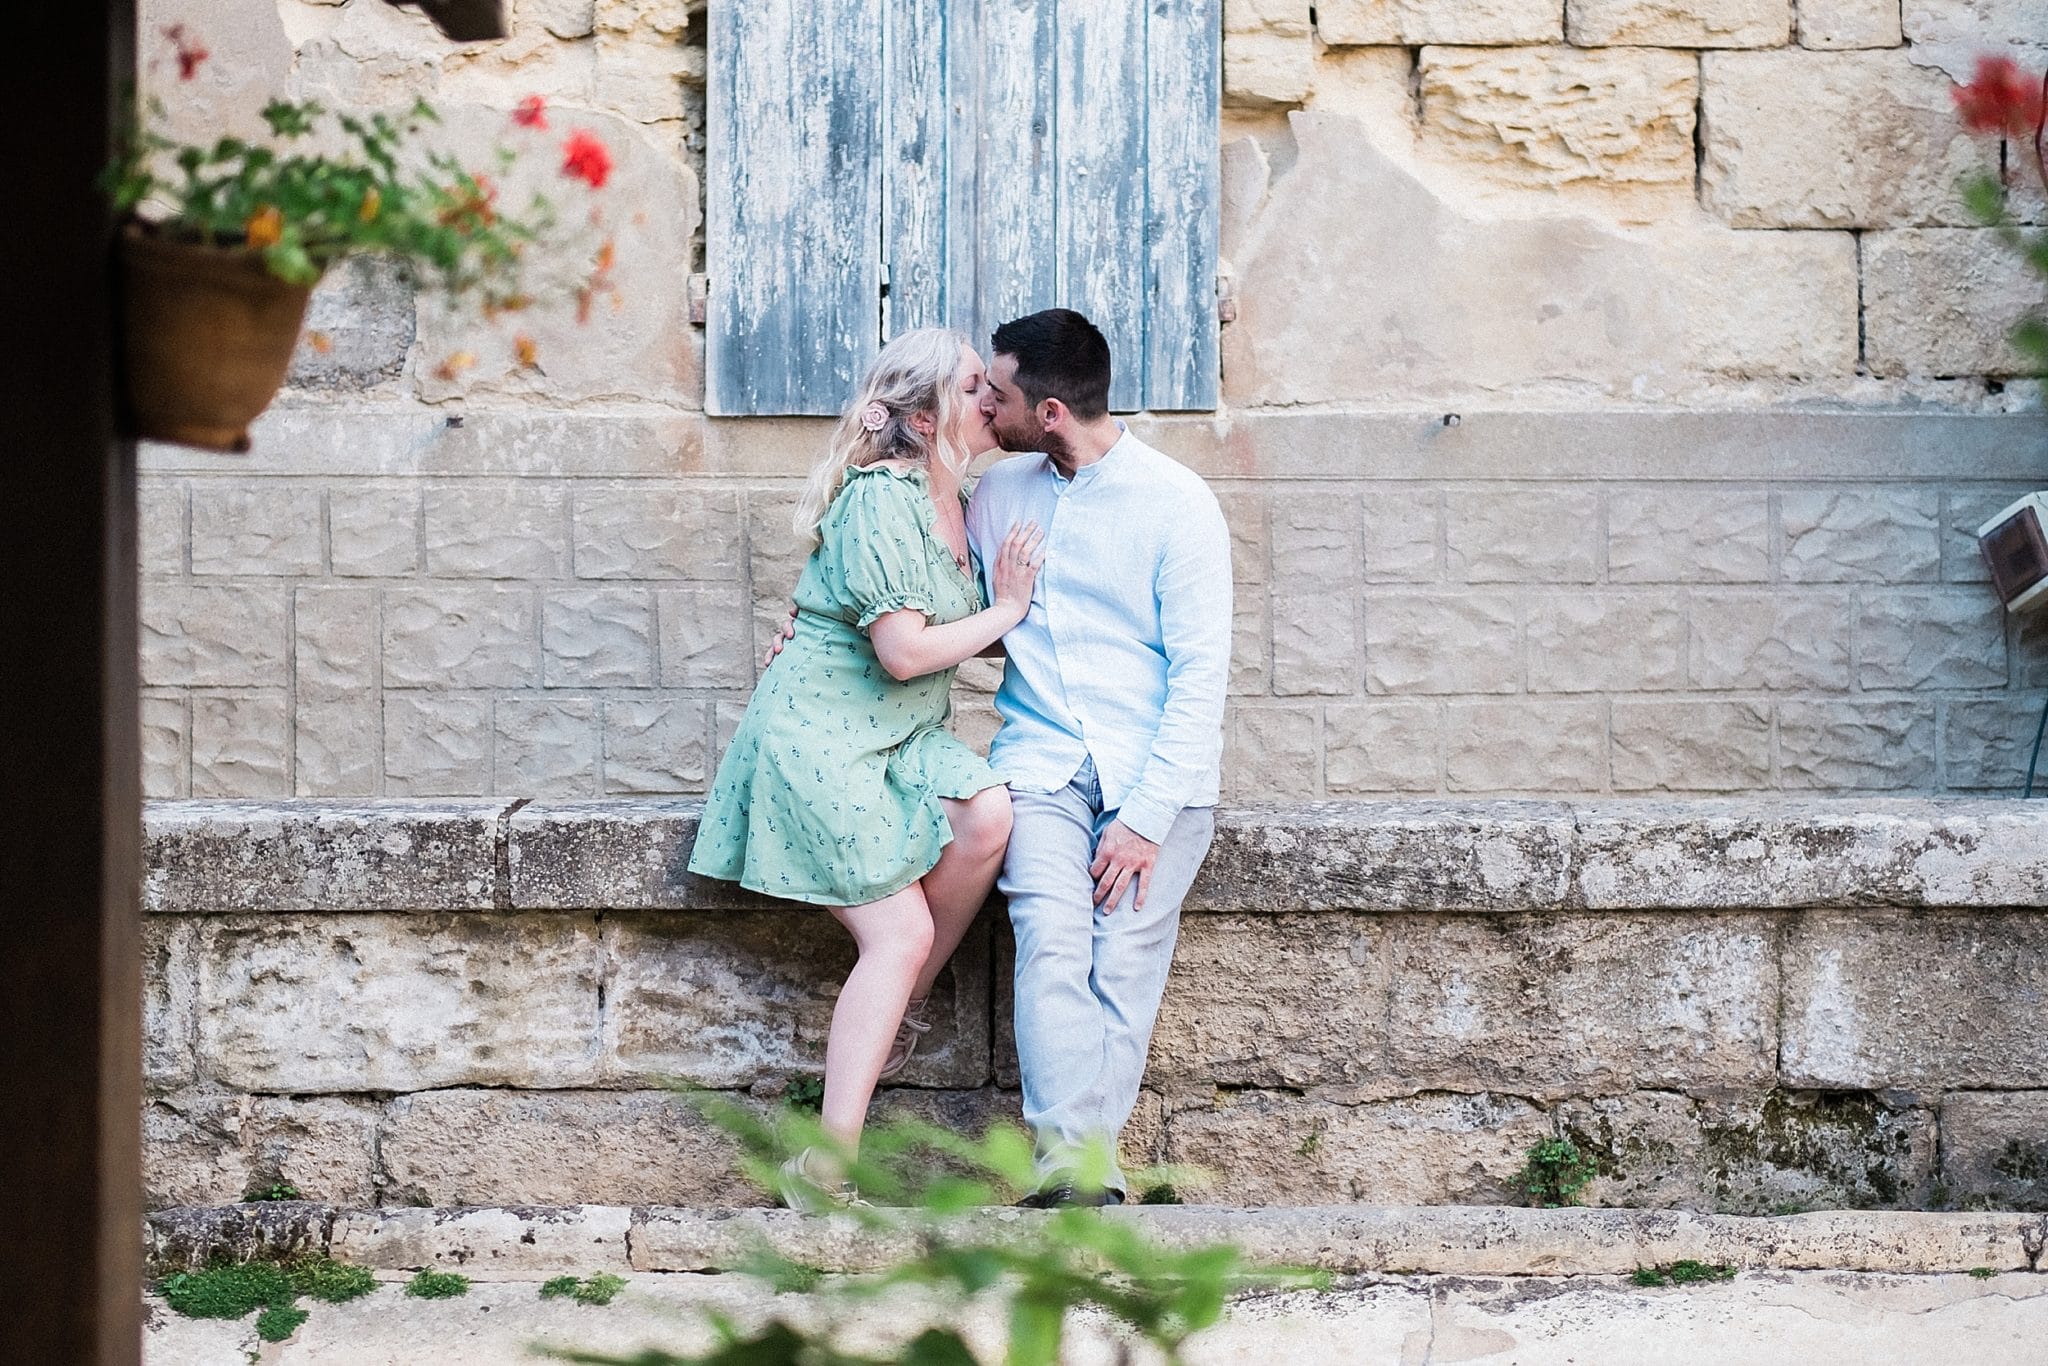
(1121, 855)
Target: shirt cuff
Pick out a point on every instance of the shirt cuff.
(1148, 818)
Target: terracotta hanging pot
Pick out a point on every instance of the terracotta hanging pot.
(209, 333)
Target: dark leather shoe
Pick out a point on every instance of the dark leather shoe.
(1062, 1195)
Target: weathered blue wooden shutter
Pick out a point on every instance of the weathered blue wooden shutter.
(1024, 154)
(793, 204)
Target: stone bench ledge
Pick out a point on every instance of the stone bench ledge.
(526, 1241)
(1489, 855)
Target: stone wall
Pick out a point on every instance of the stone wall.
(1609, 395)
(1739, 1006)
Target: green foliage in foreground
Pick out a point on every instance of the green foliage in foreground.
(437, 1285)
(1685, 1272)
(926, 1182)
(1555, 1172)
(600, 1289)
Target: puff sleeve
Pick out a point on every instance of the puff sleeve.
(873, 542)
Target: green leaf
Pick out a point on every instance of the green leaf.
(1035, 1327)
(937, 1347)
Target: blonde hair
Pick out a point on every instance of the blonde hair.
(914, 373)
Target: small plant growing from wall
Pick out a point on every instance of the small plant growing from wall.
(1554, 1171)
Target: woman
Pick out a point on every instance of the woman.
(842, 787)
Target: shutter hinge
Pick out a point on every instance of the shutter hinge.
(885, 279)
(1226, 298)
(700, 289)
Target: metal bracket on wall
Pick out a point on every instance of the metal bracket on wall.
(700, 291)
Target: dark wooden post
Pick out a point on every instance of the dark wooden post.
(70, 1034)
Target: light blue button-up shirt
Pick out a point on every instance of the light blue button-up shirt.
(1124, 655)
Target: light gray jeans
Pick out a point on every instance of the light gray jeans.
(1087, 984)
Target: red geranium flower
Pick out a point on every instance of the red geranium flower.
(531, 113)
(585, 158)
(2002, 99)
(191, 52)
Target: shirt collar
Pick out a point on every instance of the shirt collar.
(1089, 472)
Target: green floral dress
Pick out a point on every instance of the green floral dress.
(829, 791)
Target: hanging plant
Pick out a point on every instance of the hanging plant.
(223, 242)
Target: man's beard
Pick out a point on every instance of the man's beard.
(1034, 439)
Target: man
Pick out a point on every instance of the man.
(1111, 738)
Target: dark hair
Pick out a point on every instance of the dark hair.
(1061, 355)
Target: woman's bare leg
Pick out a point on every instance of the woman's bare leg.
(894, 936)
(959, 884)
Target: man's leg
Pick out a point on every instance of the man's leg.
(1133, 951)
(1059, 1020)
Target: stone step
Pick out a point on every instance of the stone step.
(533, 1242)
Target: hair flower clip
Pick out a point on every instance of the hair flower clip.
(874, 417)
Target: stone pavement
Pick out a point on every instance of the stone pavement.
(1516, 1287)
(1760, 1319)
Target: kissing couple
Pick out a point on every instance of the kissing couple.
(1100, 570)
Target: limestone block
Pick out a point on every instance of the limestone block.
(170, 971)
(705, 636)
(655, 746)
(1783, 641)
(1994, 1148)
(359, 327)
(206, 857)
(249, 60)
(1986, 742)
(1787, 854)
(565, 18)
(1610, 642)
(1551, 118)
(166, 746)
(1662, 23)
(336, 743)
(598, 638)
(450, 636)
(775, 555)
(437, 744)
(1268, 55)
(558, 1147)
(1251, 630)
(1800, 139)
(160, 507)
(1753, 1154)
(622, 855)
(731, 998)
(1317, 562)
(1381, 747)
(1856, 745)
(1271, 1149)
(1977, 22)
(1550, 1006)
(1688, 535)
(642, 532)
(365, 56)
(524, 1243)
(1894, 999)
(1836, 24)
(1522, 536)
(373, 529)
(241, 744)
(545, 746)
(1409, 23)
(255, 528)
(200, 1149)
(1943, 301)
(515, 530)
(1403, 530)
(644, 75)
(1271, 751)
(1273, 1000)
(1930, 638)
(199, 635)
(399, 1002)
(1525, 747)
(640, 351)
(1766, 304)
(336, 629)
(1873, 534)
(661, 16)
(1691, 746)
(1441, 642)
(1245, 513)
